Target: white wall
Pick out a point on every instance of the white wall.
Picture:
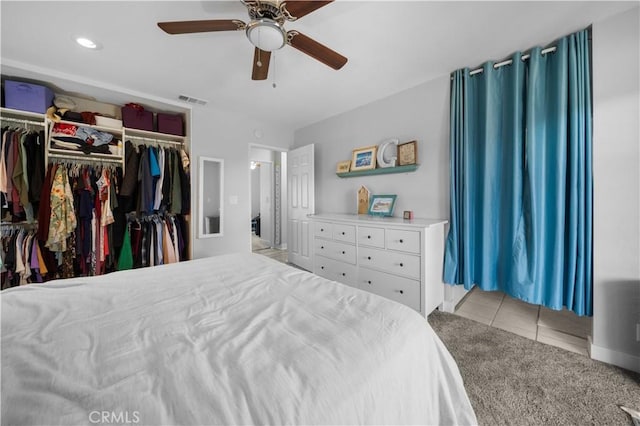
(220, 134)
(616, 148)
(420, 113)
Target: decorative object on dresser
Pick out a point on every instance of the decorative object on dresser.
(364, 158)
(343, 166)
(363, 200)
(387, 153)
(408, 153)
(407, 215)
(382, 205)
(388, 256)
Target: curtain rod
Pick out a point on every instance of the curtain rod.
(510, 61)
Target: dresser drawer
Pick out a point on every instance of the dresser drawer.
(388, 261)
(400, 240)
(336, 271)
(373, 237)
(335, 250)
(403, 290)
(323, 229)
(346, 233)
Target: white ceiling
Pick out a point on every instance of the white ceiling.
(391, 46)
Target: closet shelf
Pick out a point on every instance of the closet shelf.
(380, 171)
(92, 126)
(152, 136)
(15, 113)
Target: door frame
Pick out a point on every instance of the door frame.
(283, 209)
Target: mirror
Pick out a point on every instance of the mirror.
(210, 198)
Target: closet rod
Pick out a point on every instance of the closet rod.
(16, 120)
(53, 156)
(154, 140)
(19, 225)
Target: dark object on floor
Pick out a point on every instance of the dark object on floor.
(514, 380)
(255, 225)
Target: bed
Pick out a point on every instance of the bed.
(232, 339)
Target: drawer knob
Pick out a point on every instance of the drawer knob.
(369, 237)
(342, 251)
(321, 247)
(344, 275)
(368, 257)
(322, 267)
(369, 282)
(321, 229)
(399, 291)
(343, 233)
(401, 264)
(401, 241)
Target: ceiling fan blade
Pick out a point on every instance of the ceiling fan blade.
(316, 50)
(262, 58)
(299, 8)
(186, 27)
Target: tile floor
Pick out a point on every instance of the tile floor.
(258, 246)
(563, 328)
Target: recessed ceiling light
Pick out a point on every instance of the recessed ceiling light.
(85, 42)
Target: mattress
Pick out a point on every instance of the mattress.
(232, 339)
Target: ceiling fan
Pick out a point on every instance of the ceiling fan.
(266, 32)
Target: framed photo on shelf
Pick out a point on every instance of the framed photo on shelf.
(364, 158)
(408, 153)
(343, 166)
(382, 205)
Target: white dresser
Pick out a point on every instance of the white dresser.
(392, 257)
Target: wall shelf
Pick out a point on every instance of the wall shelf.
(381, 171)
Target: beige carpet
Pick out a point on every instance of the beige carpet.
(512, 380)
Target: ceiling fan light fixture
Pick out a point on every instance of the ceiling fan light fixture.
(266, 34)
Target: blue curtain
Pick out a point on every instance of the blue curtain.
(521, 178)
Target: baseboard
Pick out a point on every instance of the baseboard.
(621, 359)
(453, 295)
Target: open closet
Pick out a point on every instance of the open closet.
(72, 210)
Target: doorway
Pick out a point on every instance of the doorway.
(268, 181)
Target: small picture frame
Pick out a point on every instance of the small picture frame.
(407, 215)
(343, 166)
(364, 158)
(382, 205)
(408, 153)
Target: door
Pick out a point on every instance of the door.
(300, 204)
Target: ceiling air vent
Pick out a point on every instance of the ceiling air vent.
(191, 100)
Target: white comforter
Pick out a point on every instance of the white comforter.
(234, 339)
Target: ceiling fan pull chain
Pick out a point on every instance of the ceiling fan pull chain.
(259, 62)
(274, 70)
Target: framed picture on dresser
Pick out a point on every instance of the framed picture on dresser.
(382, 205)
